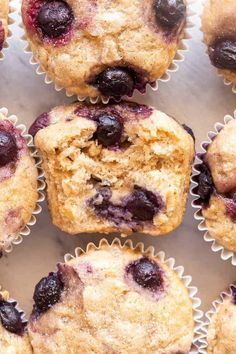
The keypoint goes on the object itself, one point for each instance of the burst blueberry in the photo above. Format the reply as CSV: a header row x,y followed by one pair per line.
x,y
8,148
55,18
169,13
146,273
10,318
48,292
115,82
205,183
223,54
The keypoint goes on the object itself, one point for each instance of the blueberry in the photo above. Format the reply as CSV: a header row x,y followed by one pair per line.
x,y
8,148
109,130
223,54
115,82
143,204
205,183
48,292
146,273
54,18
169,13
10,318
41,122
189,131
233,289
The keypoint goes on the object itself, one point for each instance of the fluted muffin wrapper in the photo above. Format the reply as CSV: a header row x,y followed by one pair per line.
x,y
196,204
173,67
7,297
226,81
208,318
170,262
17,239
11,22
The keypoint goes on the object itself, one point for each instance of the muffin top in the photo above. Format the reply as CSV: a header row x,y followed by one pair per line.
x,y
121,167
217,186
18,182
222,329
4,10
112,300
13,335
218,24
104,47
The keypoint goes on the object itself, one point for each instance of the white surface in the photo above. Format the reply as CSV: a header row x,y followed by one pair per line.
x,y
195,95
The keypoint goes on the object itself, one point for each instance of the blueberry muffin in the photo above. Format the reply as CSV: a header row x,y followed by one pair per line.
x,y
112,300
18,182
218,24
4,10
13,334
114,168
107,48
222,329
217,187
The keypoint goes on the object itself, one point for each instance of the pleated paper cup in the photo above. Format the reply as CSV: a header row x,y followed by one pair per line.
x,y
196,203
209,315
170,262
173,67
11,21
17,239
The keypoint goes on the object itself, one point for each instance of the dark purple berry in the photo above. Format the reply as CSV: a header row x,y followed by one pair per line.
x,y
233,289
109,130
10,318
48,292
205,183
143,204
223,54
54,18
8,148
169,13
189,131
146,273
115,82
41,122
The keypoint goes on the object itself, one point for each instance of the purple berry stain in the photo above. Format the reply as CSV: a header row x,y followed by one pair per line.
x,y
41,122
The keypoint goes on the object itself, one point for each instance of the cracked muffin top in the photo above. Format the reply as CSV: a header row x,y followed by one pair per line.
x,y
13,334
114,168
112,300
104,47
222,329
217,187
218,25
4,10
18,182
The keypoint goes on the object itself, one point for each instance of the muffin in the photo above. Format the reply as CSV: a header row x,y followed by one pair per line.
x,y
114,168
112,300
13,334
18,182
4,10
218,25
221,338
104,48
217,187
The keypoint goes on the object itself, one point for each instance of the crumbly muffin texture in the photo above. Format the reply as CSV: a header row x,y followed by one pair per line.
x,y
4,10
104,47
118,167
222,329
13,335
18,182
112,300
220,211
218,25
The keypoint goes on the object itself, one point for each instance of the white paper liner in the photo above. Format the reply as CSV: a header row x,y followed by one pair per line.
x,y
209,314
11,21
174,66
6,297
215,246
170,262
226,81
15,240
